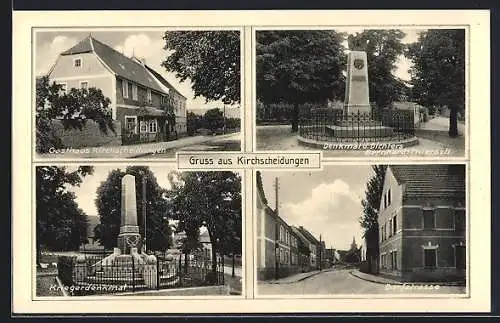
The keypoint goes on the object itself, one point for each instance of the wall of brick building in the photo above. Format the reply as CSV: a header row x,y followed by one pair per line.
x,y
412,236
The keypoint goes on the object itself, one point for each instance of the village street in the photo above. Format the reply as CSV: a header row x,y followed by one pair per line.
x,y
340,281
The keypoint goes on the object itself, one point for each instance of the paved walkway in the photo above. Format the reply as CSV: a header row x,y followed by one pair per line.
x,y
384,280
441,124
133,151
296,278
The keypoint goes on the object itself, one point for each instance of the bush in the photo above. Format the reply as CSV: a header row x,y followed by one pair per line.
x,y
65,265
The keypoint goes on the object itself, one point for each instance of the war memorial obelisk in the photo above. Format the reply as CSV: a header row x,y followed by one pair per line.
x,y
126,263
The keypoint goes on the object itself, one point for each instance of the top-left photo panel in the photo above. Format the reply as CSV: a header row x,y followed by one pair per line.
x,y
107,93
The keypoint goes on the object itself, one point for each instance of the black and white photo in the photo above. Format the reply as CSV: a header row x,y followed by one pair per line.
x,y
136,93
362,229
137,230
362,92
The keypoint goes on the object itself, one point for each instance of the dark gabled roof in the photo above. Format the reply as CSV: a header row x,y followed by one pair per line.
x,y
119,64
431,179
260,188
308,235
163,80
84,46
299,235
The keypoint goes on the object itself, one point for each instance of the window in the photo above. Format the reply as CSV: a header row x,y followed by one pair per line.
x,y
134,92
125,89
460,220
390,228
77,62
150,96
385,201
460,257
429,218
394,225
84,85
131,124
388,197
153,126
430,258
143,126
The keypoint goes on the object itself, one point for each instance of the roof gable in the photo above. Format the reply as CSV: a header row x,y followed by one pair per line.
x,y
431,179
124,66
121,65
84,46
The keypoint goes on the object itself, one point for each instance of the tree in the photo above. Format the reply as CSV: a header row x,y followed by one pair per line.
x,y
158,233
73,109
382,47
299,66
193,122
438,72
369,219
209,59
210,199
61,224
213,119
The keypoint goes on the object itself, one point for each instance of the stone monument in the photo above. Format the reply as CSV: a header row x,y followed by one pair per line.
x,y
125,263
129,236
355,123
357,98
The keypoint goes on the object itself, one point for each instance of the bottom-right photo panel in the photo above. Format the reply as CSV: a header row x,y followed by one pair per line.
x,y
362,229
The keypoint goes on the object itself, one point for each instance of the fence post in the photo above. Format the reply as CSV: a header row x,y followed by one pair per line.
x,y
158,274
133,275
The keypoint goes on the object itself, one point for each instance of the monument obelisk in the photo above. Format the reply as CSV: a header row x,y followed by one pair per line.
x,y
129,236
357,98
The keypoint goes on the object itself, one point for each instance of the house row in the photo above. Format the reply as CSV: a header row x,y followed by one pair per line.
x,y
422,223
147,106
282,249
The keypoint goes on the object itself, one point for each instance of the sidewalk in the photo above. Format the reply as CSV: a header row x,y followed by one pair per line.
x,y
384,280
132,151
296,278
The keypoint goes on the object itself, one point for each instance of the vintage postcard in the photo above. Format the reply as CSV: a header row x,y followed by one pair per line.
x,y
284,162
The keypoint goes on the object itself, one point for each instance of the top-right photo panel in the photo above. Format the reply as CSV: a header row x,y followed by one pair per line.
x,y
362,92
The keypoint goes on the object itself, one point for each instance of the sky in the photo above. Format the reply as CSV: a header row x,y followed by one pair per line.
x,y
326,202
145,44
86,192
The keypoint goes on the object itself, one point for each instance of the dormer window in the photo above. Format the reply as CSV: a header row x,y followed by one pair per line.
x,y
77,62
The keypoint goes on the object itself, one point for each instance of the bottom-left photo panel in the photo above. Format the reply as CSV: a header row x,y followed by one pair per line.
x,y
123,229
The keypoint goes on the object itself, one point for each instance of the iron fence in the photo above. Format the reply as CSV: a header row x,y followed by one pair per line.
x,y
335,125
129,138
96,274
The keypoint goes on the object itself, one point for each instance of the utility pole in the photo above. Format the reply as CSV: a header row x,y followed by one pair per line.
x,y
144,208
